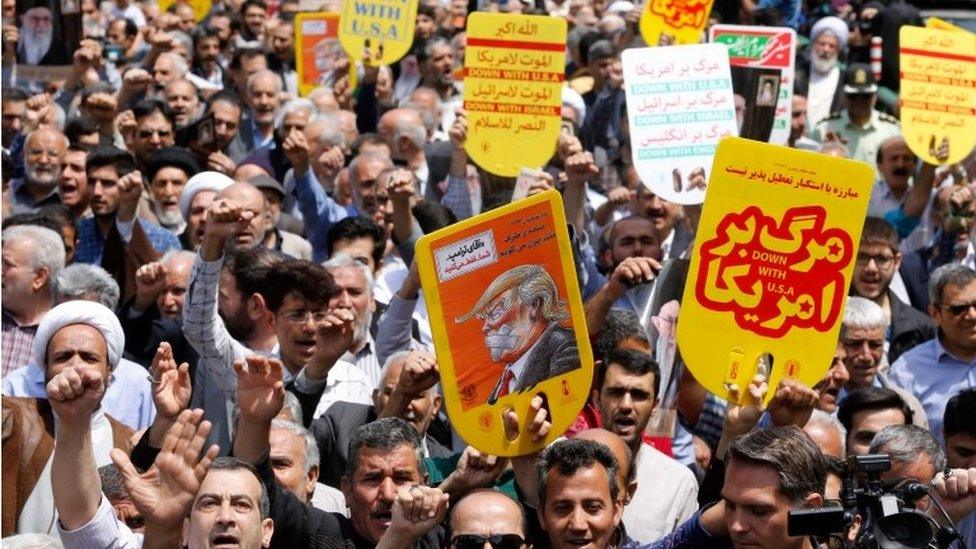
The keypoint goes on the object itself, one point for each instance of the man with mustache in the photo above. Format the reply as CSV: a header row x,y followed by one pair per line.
x,y
875,265
44,154
522,316
258,124
167,172
384,466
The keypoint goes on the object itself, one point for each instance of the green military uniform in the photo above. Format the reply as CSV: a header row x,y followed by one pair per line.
x,y
862,142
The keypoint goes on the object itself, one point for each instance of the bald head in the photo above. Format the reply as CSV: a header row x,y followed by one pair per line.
x,y
403,130
486,513
620,451
250,199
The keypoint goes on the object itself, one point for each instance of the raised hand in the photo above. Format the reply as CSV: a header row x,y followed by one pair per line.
x,y
130,190
420,373
696,180
125,124
741,417
260,389
956,491
416,510
171,388
296,149
137,80
401,188
792,403
220,162
150,283
632,271
333,337
75,393
164,493
474,470
540,184
225,220
330,162
39,113
538,427
580,168
459,129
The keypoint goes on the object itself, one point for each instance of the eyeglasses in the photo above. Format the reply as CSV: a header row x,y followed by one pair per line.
x,y
882,261
498,541
301,316
873,344
959,310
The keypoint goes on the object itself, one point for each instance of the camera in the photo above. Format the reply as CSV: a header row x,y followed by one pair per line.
x,y
887,510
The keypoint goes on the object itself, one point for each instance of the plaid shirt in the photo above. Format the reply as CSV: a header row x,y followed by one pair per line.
x,y
91,243
17,342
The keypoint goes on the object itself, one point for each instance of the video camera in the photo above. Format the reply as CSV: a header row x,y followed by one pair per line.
x,y
889,517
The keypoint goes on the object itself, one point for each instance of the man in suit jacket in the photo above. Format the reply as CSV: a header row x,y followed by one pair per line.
x,y
410,396
522,315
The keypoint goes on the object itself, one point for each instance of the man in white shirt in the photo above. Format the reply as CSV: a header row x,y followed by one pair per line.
x,y
667,493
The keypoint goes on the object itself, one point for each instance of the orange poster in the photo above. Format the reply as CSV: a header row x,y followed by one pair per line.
x,y
317,49
507,319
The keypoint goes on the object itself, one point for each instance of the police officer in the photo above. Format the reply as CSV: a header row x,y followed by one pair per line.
x,y
860,128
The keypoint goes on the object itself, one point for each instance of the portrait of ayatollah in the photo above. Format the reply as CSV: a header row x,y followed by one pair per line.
x,y
523,321
43,40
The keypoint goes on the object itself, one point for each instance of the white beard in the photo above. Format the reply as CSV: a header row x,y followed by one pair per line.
x,y
35,46
46,181
821,65
170,219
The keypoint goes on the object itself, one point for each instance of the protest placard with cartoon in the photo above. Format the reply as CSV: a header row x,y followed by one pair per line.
x,y
507,319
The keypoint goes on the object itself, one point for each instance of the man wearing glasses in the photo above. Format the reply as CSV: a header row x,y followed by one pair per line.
x,y
877,262
946,364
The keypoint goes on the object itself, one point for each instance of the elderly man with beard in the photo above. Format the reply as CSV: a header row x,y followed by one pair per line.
x,y
44,154
37,45
385,467
406,390
75,339
828,42
167,172
195,199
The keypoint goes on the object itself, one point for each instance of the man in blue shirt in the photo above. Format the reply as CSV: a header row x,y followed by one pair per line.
x,y
945,365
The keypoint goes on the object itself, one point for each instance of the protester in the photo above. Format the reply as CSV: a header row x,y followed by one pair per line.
x,y
268,247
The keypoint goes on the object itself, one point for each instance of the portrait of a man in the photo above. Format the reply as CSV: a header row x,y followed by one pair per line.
x,y
39,24
523,321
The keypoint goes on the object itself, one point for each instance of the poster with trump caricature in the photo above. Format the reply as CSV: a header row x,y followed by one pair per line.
x,y
507,318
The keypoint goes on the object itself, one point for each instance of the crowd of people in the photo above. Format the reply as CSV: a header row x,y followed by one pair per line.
x,y
215,335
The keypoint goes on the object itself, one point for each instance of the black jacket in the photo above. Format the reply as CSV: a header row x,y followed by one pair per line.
x,y
909,327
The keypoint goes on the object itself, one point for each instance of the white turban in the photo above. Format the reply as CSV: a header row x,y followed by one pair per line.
x,y
203,181
96,315
836,26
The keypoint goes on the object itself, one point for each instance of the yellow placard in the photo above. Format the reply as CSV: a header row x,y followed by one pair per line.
x,y
316,49
201,8
673,22
514,67
507,318
938,91
772,262
936,23
383,29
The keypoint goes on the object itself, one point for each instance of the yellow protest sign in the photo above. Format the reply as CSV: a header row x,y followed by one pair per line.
x,y
507,318
514,67
317,49
936,23
770,275
672,22
938,91
201,8
383,29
